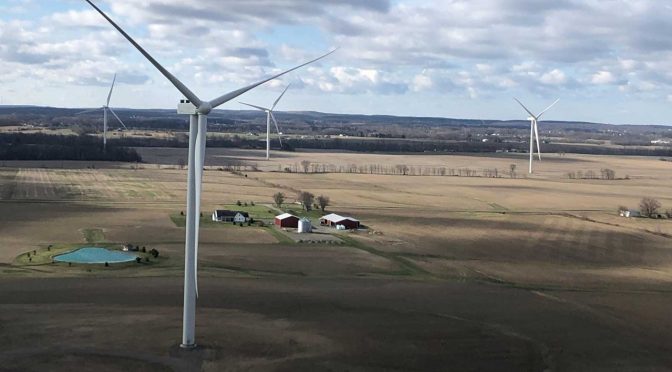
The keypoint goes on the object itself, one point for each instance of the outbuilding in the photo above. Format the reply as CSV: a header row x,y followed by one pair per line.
x,y
628,213
223,215
335,220
287,220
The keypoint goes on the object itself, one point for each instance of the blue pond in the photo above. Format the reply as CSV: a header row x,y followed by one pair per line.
x,y
91,255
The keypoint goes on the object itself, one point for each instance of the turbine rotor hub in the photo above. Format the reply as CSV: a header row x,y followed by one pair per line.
x,y
204,108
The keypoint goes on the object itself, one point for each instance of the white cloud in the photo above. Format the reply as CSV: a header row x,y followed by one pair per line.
x,y
554,77
603,77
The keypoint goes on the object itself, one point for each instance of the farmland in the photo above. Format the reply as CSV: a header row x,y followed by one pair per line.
x,y
533,271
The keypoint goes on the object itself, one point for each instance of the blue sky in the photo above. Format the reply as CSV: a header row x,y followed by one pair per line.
x,y
608,60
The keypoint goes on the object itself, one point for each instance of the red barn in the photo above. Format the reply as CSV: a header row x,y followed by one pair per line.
x,y
287,220
335,220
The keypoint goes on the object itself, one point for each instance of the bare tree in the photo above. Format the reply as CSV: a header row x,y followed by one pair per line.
x,y
512,168
649,207
305,164
279,198
323,202
608,174
306,199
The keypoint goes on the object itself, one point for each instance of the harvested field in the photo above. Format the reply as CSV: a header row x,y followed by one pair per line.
x,y
535,272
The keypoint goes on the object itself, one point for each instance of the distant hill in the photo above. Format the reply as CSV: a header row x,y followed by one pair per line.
x,y
31,113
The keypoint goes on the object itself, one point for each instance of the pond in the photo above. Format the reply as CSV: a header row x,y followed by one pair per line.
x,y
94,255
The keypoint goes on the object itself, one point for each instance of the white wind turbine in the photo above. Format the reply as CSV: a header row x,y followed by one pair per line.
x,y
269,117
198,111
106,107
534,130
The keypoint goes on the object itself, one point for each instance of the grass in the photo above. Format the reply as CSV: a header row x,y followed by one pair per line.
x,y
282,238
297,210
93,235
256,211
407,268
45,256
205,221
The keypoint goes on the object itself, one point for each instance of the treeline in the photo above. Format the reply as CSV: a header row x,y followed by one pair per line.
x,y
37,146
401,145
180,140
307,166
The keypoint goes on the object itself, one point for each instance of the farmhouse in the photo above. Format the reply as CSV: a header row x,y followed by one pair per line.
x,y
223,215
287,220
335,220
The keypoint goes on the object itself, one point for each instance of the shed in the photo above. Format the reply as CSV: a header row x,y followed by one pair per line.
x,y
334,220
287,220
629,213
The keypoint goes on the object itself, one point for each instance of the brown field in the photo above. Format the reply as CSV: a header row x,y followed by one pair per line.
x,y
455,273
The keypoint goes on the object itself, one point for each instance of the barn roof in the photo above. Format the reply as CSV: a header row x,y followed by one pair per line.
x,y
285,215
333,217
228,213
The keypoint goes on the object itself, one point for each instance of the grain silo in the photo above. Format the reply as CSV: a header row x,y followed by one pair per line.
x,y
305,226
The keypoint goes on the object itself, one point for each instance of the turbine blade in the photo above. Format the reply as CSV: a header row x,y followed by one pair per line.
x,y
231,95
525,108
178,84
277,128
279,98
109,96
115,115
548,108
256,107
536,134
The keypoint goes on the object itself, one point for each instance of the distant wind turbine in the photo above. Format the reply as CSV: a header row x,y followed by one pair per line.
x,y
106,107
534,130
198,111
269,117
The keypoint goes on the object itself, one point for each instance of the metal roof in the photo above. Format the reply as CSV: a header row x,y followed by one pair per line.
x,y
333,217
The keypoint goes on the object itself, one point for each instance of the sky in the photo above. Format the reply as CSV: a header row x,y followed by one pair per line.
x,y
608,61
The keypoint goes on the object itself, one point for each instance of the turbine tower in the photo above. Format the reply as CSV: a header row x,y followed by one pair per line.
x,y
106,107
198,111
269,117
534,130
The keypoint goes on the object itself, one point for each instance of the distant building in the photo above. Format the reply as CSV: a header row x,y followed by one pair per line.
x,y
335,220
223,215
287,220
629,213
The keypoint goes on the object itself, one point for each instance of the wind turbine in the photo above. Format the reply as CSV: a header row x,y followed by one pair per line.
x,y
269,117
198,111
106,107
534,130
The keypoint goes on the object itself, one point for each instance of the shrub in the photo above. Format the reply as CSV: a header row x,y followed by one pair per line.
x,y
649,207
